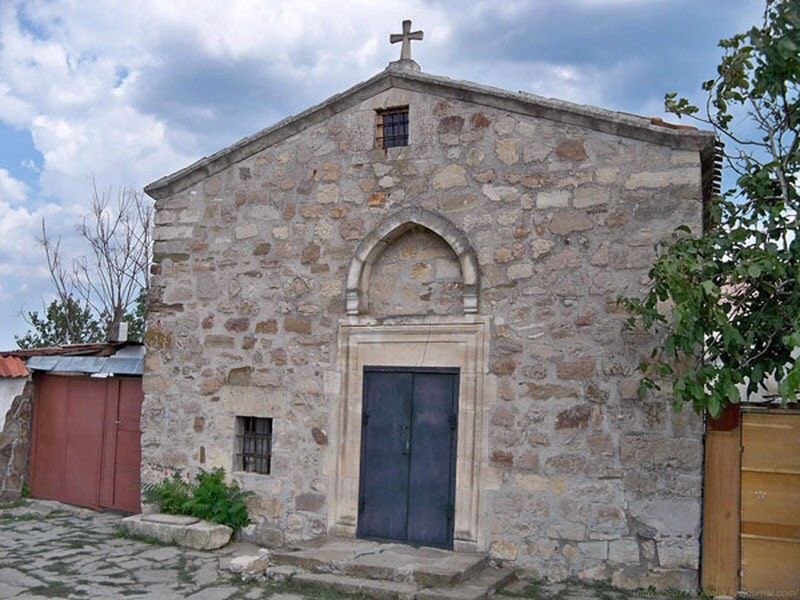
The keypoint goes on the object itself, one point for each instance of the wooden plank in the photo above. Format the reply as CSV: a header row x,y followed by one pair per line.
x,y
721,512
770,502
785,472
770,568
770,498
86,403
789,533
771,442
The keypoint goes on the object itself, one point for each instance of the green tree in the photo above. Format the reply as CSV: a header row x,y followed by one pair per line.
x,y
137,317
66,322
728,300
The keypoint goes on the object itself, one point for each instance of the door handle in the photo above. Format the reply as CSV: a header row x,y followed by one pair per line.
x,y
406,440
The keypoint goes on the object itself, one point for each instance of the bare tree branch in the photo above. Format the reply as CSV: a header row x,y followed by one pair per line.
x,y
114,273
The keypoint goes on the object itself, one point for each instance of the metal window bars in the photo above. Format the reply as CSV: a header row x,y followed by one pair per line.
x,y
254,444
392,128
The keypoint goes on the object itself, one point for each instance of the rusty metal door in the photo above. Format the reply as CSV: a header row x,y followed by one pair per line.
x,y
86,441
49,437
85,415
127,461
770,505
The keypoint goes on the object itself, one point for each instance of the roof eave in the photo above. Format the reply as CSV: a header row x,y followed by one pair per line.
x,y
178,181
561,111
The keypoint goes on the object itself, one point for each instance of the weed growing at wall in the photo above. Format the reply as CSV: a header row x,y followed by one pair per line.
x,y
209,497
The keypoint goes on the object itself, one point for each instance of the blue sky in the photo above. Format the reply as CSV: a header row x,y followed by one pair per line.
x,y
124,93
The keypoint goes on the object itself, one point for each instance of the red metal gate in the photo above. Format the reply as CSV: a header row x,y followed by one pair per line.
x,y
86,436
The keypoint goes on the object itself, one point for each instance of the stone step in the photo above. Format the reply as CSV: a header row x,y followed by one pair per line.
x,y
302,560
460,567
484,585
427,567
373,588
414,568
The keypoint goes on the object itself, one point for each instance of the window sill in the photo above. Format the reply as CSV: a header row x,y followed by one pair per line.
x,y
396,152
244,474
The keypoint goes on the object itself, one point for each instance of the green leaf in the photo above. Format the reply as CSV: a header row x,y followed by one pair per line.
x,y
209,498
709,287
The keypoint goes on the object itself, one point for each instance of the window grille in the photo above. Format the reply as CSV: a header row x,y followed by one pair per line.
x,y
392,128
253,444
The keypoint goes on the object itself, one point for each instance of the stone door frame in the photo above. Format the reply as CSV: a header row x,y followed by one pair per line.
x,y
458,341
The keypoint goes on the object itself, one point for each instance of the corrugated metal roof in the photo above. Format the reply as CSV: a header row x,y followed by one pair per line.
x,y
11,366
128,360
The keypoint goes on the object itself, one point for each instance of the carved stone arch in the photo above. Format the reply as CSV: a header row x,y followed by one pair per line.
x,y
389,230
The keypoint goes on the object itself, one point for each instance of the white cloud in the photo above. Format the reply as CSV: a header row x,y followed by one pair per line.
x,y
583,84
31,165
83,82
81,122
24,279
20,252
11,190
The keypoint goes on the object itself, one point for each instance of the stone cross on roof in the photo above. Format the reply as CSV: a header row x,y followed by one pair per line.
x,y
405,37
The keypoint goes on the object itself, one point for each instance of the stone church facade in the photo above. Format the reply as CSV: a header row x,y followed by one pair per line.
x,y
296,264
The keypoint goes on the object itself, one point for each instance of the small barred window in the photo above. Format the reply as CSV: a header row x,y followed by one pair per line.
x,y
253,444
392,128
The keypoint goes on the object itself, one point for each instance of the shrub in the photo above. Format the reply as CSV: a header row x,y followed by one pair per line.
x,y
209,498
213,500
170,495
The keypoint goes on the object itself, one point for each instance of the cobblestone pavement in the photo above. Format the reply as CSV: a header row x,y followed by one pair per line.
x,y
48,550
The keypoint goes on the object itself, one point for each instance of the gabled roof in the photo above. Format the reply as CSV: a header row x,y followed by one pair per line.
x,y
400,76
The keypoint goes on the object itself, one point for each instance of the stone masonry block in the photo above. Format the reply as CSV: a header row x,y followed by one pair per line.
x,y
182,531
624,551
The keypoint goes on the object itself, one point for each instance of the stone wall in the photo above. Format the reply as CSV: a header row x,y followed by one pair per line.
x,y
580,478
418,274
15,443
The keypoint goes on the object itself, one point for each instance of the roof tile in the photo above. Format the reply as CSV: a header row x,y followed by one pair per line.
x,y
12,366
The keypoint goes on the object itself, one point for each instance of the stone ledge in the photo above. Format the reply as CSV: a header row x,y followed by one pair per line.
x,y
181,531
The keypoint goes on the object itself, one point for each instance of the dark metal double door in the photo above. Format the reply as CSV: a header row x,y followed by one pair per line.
x,y
408,455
